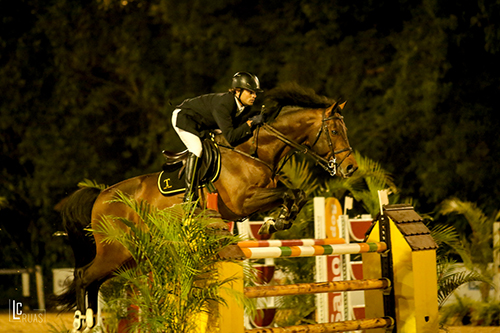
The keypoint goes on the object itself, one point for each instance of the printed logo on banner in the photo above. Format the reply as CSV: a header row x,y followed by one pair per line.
x,y
16,314
335,300
333,210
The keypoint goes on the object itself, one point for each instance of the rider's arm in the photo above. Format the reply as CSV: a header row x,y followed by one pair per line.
x,y
224,120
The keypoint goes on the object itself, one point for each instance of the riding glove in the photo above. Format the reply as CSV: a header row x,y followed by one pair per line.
x,y
257,120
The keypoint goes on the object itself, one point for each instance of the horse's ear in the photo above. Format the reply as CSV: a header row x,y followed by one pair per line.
x,y
340,106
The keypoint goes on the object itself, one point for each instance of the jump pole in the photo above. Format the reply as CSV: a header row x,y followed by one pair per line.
x,y
290,242
341,326
316,287
315,250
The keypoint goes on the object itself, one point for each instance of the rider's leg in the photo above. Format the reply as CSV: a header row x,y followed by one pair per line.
x,y
195,148
191,177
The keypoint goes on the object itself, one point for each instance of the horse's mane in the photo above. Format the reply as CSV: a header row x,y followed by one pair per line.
x,y
292,94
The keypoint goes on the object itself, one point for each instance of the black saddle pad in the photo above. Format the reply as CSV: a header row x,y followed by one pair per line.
x,y
171,181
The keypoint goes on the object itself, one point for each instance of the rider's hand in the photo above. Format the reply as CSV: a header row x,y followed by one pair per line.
x,y
257,120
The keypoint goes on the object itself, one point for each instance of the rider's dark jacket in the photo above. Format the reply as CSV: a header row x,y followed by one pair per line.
x,y
204,113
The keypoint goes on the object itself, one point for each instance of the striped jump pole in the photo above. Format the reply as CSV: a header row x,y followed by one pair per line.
x,y
341,326
316,287
291,242
311,250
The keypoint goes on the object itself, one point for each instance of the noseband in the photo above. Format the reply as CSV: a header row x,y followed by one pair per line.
x,y
329,166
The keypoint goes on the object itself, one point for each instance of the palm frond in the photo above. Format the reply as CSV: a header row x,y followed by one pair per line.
x,y
479,243
448,235
444,234
175,278
480,223
367,181
468,209
373,172
141,208
452,281
297,173
91,183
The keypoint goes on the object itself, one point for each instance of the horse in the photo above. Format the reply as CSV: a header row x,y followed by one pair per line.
x,y
297,119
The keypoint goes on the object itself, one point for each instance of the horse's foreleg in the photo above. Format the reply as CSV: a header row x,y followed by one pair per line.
x,y
283,221
265,198
300,199
294,200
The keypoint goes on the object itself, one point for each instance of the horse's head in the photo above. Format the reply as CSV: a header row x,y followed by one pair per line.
x,y
330,141
315,123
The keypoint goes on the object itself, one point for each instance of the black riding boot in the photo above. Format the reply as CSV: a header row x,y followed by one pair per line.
x,y
191,177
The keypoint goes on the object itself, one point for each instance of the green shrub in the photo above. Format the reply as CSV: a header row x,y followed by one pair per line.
x,y
175,279
465,311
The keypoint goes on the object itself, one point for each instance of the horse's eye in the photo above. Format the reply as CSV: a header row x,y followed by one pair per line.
x,y
334,132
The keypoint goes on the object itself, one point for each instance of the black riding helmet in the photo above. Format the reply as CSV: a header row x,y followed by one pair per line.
x,y
246,80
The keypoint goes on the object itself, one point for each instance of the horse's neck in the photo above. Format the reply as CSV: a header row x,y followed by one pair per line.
x,y
295,126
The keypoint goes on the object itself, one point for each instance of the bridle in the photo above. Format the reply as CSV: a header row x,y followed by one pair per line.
x,y
329,166
332,163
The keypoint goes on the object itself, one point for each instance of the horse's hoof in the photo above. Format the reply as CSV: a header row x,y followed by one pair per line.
x,y
89,318
268,227
78,320
219,225
280,224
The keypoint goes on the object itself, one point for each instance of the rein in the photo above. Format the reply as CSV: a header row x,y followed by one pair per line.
x,y
247,155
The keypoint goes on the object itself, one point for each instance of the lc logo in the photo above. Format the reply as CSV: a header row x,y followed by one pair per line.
x,y
16,314
15,310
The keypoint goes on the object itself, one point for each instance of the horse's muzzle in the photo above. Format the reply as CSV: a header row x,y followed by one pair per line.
x,y
348,171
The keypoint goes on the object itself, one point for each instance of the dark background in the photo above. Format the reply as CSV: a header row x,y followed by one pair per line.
x,y
88,87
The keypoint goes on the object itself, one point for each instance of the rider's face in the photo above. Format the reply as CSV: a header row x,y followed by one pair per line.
x,y
247,97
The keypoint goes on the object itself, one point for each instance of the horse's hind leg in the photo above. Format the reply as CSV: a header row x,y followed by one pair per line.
x,y
93,303
79,319
85,316
89,279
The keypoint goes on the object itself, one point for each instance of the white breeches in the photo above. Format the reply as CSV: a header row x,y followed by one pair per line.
x,y
191,141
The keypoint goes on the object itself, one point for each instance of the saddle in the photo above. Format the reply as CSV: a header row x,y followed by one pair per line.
x,y
171,179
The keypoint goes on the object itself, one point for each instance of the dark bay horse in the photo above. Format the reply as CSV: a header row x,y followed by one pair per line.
x,y
247,184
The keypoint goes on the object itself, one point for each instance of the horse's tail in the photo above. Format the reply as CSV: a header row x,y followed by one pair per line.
x,y
76,216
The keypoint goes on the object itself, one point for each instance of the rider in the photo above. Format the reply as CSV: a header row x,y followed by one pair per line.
x,y
229,112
